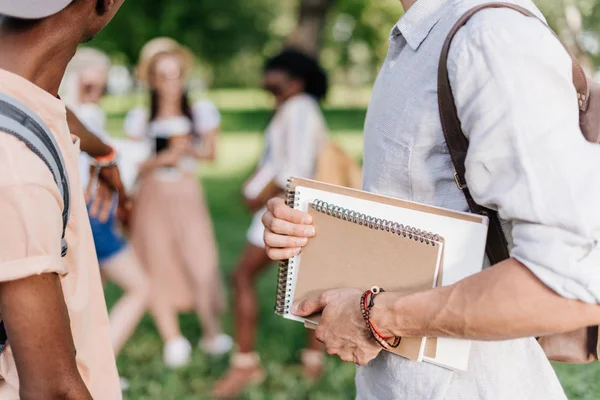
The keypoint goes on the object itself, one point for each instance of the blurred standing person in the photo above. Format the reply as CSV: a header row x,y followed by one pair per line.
x,y
294,137
171,226
83,87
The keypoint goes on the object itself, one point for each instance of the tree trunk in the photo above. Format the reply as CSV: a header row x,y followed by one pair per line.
x,y
308,35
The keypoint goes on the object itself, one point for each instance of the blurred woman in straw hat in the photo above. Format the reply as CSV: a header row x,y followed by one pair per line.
x,y
82,88
171,226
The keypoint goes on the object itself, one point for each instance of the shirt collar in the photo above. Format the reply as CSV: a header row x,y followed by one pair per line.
x,y
418,21
48,107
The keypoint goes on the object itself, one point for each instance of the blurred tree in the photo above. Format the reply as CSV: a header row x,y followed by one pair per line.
x,y
312,17
216,31
357,38
232,38
576,23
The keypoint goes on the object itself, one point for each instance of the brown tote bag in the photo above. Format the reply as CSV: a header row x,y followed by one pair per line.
x,y
576,347
337,167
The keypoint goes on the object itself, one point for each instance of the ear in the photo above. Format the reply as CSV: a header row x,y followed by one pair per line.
x,y
104,6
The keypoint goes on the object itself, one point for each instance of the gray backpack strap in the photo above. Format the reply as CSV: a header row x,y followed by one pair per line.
x,y
20,121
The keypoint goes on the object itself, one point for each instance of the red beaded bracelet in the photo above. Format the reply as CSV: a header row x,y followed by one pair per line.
x,y
108,160
366,304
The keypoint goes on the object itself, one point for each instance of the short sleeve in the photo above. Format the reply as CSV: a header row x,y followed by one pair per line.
x,y
206,116
30,211
136,123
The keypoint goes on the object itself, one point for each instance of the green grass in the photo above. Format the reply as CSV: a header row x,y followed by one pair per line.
x,y
278,341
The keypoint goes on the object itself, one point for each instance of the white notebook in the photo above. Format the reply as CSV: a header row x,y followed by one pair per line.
x,y
464,236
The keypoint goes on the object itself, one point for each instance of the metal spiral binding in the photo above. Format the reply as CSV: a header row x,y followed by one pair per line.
x,y
286,267
375,223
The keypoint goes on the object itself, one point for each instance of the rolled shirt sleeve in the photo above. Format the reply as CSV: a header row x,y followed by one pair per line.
x,y
527,158
31,215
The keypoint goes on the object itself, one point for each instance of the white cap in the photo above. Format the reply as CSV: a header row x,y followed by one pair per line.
x,y
32,9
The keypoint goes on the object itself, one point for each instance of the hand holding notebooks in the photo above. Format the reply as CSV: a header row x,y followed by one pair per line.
x,y
353,248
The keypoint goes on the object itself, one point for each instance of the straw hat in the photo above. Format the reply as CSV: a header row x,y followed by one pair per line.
x,y
159,46
85,58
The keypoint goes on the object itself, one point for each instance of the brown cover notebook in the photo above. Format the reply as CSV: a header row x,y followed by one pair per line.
x,y
370,250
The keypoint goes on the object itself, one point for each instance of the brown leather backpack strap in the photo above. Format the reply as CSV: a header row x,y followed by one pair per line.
x,y
457,142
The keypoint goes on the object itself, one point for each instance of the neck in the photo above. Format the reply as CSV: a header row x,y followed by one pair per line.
x,y
406,4
38,52
169,107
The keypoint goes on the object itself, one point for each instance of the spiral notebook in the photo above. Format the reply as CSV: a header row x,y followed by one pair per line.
x,y
365,239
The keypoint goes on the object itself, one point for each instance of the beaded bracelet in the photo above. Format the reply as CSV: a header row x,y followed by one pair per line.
x,y
107,161
366,304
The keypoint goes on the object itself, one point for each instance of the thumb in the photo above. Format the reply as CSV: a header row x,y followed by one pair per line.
x,y
310,306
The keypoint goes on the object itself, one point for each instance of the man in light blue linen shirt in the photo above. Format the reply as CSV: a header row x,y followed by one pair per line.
x,y
512,83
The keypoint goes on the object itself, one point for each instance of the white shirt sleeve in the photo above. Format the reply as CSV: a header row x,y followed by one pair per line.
x,y
527,158
206,116
136,123
296,140
94,118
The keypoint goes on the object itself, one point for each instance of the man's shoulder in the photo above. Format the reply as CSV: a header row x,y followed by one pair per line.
x,y
504,26
20,166
498,18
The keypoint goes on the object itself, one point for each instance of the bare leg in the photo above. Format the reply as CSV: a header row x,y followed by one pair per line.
x,y
245,368
199,252
125,271
165,319
197,249
254,260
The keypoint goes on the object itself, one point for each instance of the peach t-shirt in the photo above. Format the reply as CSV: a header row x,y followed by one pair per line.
x,y
30,232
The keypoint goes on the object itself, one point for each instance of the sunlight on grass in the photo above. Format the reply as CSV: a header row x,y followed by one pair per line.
x,y
244,99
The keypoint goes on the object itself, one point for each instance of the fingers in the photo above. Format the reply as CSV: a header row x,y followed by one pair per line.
x,y
101,203
105,209
276,254
280,210
353,355
87,195
320,336
310,306
366,354
124,212
285,227
283,241
286,230
96,205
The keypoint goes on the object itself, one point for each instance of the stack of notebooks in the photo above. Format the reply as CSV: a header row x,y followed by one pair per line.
x,y
365,239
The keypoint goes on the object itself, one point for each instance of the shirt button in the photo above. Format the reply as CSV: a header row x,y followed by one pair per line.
x,y
392,63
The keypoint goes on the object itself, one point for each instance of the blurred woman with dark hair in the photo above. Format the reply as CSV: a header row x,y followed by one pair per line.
x,y
171,227
294,137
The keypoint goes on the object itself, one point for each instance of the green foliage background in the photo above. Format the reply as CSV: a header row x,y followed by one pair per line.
x,y
231,38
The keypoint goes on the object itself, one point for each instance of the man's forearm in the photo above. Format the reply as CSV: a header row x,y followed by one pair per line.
x,y
503,302
89,142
